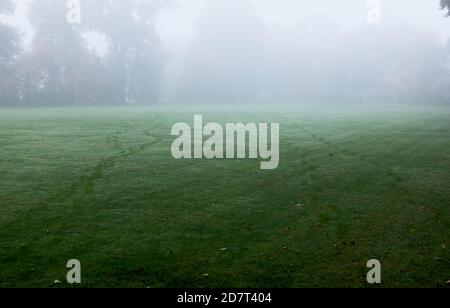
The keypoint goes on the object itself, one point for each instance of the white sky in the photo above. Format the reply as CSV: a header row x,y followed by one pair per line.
x,y
176,24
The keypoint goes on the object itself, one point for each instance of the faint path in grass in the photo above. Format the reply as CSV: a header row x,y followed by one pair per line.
x,y
86,183
114,141
388,171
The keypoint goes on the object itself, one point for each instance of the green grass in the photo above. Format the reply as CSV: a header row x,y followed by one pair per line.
x,y
100,186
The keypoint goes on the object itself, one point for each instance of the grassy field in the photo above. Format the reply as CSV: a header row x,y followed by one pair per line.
x,y
101,186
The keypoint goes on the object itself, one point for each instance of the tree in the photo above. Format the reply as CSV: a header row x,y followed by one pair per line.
x,y
135,57
445,4
59,64
9,49
227,59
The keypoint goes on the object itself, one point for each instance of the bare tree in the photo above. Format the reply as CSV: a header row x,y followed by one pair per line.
x,y
445,5
9,49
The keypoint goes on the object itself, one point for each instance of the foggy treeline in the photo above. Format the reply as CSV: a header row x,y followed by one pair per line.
x,y
233,57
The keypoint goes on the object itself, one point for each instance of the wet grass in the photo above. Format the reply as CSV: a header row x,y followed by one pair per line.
x,y
100,186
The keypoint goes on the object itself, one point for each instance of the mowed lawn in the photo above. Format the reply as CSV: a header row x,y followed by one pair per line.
x,y
100,185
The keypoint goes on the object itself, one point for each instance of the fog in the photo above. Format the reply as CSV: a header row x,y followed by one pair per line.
x,y
224,52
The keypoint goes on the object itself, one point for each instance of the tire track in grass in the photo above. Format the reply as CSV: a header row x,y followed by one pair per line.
x,y
87,182
343,232
391,173
33,216
388,171
113,140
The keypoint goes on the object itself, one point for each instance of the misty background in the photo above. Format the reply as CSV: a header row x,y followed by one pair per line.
x,y
151,52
